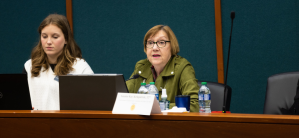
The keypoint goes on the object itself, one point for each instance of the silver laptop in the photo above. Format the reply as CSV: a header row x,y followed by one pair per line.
x,y
90,92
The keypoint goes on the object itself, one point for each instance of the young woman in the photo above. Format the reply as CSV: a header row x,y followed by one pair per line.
x,y
55,54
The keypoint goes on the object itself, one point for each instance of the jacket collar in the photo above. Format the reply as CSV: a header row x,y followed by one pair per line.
x,y
145,70
169,68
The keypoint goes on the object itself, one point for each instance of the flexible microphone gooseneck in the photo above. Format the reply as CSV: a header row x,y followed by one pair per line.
x,y
134,77
232,16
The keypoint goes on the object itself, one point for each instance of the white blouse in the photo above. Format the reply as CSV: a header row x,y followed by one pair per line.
x,y
44,89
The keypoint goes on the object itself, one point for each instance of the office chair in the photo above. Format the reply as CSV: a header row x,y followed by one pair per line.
x,y
217,95
281,90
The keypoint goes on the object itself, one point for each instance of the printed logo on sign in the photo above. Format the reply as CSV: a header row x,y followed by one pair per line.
x,y
1,95
132,107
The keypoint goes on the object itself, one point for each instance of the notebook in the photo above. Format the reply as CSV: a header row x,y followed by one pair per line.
x,y
90,92
14,92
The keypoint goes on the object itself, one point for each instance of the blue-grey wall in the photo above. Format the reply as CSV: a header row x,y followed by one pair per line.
x,y
19,21
265,42
110,34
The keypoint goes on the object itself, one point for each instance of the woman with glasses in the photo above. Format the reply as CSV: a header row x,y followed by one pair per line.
x,y
55,54
164,67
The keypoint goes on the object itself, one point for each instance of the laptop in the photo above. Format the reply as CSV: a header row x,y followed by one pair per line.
x,y
14,92
90,92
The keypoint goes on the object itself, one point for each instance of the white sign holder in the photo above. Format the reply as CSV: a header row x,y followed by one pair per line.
x,y
141,104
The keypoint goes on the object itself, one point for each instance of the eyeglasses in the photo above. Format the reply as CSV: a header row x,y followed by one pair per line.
x,y
160,44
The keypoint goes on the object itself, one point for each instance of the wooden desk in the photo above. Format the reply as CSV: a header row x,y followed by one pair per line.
x,y
105,124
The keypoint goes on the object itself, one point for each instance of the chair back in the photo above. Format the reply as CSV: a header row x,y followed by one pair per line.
x,y
217,95
281,90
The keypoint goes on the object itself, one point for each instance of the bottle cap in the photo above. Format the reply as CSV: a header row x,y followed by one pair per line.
x,y
203,83
163,93
152,83
143,83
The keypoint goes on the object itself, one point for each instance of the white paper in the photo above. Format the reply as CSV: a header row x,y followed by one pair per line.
x,y
175,109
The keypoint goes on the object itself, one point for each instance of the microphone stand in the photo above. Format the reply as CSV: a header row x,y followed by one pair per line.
x,y
232,16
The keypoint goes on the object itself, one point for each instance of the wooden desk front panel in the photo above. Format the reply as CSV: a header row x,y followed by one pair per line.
x,y
25,127
65,127
173,129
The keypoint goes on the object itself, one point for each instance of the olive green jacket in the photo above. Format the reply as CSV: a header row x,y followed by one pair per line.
x,y
178,77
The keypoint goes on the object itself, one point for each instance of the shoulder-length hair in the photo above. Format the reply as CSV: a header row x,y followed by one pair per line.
x,y
173,41
70,51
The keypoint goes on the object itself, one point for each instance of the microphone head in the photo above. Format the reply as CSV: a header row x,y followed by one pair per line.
x,y
135,76
232,15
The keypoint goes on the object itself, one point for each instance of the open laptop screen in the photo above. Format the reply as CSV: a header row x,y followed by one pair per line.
x,y
90,92
14,92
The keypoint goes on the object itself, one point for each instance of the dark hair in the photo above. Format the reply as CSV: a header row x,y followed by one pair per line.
x,y
70,52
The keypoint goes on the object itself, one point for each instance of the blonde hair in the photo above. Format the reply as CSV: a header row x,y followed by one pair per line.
x,y
70,52
173,41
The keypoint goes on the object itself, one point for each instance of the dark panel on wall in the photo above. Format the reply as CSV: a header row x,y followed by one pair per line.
x,y
264,42
110,33
19,23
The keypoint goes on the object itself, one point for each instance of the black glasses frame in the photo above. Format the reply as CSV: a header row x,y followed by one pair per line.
x,y
157,44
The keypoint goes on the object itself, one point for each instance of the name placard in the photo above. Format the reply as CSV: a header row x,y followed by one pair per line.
x,y
141,104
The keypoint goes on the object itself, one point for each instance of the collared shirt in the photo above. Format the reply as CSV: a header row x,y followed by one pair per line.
x,y
154,73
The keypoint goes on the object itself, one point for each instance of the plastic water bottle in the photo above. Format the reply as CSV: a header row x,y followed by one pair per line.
x,y
142,89
204,98
152,89
164,103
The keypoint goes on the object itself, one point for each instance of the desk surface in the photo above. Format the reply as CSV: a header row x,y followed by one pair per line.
x,y
70,123
218,117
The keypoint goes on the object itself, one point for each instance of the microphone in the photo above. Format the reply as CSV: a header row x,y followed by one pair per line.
x,y
232,16
134,77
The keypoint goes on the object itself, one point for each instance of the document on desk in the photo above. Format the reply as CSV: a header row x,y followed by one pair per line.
x,y
141,104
